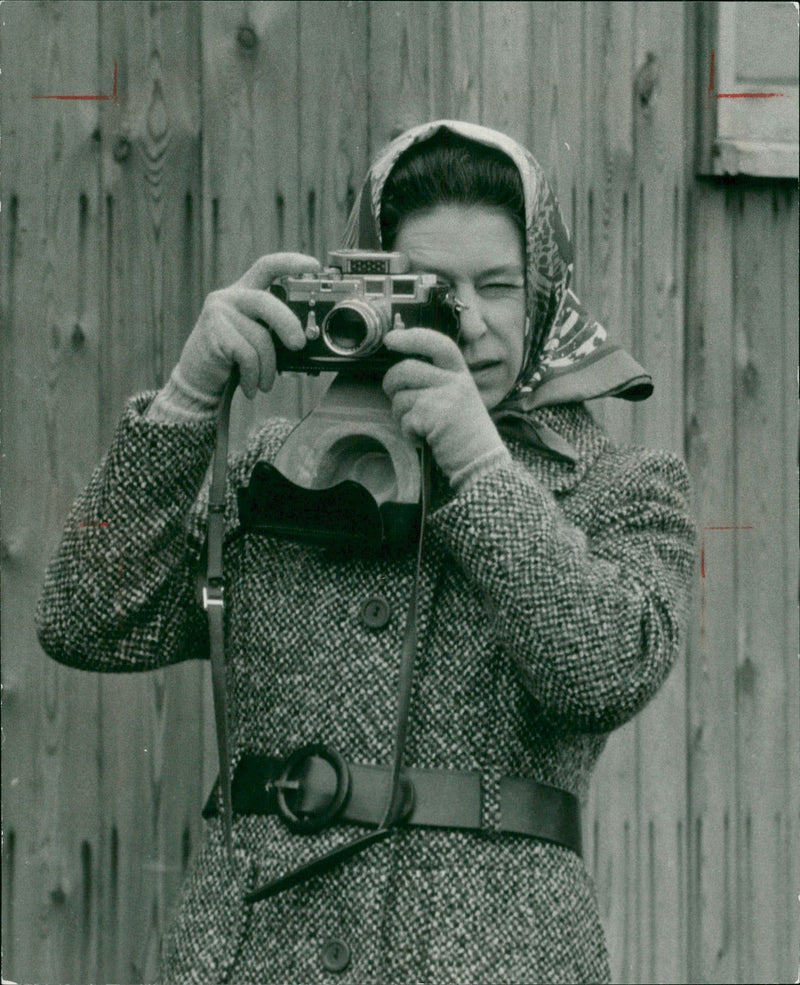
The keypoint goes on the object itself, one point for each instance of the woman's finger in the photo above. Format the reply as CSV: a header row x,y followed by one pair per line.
x,y
231,346
261,341
403,402
267,268
439,348
265,307
412,374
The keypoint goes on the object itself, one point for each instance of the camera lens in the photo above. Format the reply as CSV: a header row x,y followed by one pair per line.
x,y
345,331
355,327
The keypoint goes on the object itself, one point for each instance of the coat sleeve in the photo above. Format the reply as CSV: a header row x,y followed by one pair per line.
x,y
592,608
119,593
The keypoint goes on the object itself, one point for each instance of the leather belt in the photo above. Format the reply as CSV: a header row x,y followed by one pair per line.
x,y
314,788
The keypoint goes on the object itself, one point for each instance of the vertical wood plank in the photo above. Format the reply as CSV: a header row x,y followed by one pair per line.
x,y
571,141
461,94
611,39
50,338
543,89
764,674
659,164
505,68
601,174
610,827
789,857
711,718
556,113
152,202
251,75
657,211
333,133
404,67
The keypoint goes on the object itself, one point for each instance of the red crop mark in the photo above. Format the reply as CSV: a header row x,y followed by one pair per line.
x,y
96,98
703,577
737,95
99,523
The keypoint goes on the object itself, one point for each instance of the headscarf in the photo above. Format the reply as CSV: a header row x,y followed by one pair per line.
x,y
567,356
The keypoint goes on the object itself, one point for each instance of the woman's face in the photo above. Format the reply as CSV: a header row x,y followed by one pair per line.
x,y
478,250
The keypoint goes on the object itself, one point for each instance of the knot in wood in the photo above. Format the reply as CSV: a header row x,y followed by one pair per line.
x,y
246,37
646,81
122,149
58,896
78,336
750,379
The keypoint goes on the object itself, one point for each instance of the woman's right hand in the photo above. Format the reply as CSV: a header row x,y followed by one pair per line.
x,y
235,326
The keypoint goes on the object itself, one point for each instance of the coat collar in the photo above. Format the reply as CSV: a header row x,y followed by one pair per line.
x,y
571,424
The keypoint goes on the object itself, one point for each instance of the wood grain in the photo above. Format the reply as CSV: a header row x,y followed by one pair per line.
x,y
659,169
334,132
404,61
763,671
604,264
152,195
505,68
50,335
710,681
462,32
251,79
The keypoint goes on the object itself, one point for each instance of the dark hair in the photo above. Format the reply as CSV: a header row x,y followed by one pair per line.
x,y
449,168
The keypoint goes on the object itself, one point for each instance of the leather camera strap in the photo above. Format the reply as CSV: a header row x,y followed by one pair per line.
x,y
213,602
408,659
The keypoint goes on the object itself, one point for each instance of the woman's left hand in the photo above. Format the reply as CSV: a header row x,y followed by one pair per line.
x,y
439,402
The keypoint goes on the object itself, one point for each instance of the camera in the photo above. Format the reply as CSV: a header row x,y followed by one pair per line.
x,y
347,308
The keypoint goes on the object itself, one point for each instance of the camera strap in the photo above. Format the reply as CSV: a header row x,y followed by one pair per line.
x,y
211,591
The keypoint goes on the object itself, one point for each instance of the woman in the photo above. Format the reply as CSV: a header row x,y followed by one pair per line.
x,y
550,607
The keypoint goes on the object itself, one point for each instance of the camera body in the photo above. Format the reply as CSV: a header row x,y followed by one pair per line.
x,y
347,308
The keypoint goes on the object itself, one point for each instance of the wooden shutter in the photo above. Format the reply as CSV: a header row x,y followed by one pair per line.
x,y
752,90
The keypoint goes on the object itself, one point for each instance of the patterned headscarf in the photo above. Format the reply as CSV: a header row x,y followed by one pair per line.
x,y
567,356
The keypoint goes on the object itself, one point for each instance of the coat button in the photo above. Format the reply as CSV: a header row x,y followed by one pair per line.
x,y
375,612
335,955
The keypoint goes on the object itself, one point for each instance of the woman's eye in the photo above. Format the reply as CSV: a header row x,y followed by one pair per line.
x,y
498,288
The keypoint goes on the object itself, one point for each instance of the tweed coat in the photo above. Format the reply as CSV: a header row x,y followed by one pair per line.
x,y
553,599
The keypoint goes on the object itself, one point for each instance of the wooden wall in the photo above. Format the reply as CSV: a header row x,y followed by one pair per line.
x,y
243,128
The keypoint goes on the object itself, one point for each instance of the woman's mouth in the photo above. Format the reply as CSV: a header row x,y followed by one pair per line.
x,y
483,365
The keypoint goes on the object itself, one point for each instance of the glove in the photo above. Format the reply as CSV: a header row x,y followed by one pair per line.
x,y
234,330
439,402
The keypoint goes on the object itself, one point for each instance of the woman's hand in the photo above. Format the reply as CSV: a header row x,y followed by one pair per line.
x,y
438,401
234,329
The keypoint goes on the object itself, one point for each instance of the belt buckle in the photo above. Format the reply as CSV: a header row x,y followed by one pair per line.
x,y
310,823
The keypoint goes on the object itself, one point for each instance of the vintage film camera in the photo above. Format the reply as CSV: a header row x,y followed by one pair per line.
x,y
348,307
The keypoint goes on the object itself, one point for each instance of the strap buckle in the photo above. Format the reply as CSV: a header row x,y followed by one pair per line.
x,y
212,595
308,822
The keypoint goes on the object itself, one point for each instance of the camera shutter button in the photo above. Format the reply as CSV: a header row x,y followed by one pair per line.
x,y
375,612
